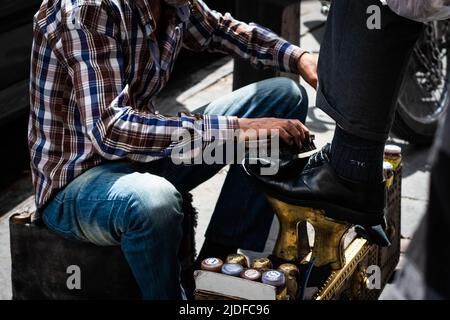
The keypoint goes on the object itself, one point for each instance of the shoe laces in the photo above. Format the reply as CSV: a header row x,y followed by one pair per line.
x,y
319,158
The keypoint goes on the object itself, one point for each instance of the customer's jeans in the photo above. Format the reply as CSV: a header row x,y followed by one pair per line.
x,y
360,70
138,206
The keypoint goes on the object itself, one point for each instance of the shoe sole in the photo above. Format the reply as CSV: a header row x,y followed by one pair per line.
x,y
334,211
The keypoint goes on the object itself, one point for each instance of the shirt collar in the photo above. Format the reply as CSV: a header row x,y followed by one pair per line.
x,y
182,7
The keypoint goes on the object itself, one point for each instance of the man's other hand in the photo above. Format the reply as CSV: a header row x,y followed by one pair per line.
x,y
307,66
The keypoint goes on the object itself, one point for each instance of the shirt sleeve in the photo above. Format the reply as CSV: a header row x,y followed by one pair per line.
x,y
90,49
213,31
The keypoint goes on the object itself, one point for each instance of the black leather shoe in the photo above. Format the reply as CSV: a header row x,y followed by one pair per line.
x,y
375,234
313,183
321,188
297,182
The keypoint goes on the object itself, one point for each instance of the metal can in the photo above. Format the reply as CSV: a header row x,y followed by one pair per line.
x,y
388,170
393,155
212,264
251,274
262,264
291,273
232,269
237,258
278,280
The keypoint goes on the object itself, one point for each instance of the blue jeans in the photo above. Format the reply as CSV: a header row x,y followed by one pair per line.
x,y
138,206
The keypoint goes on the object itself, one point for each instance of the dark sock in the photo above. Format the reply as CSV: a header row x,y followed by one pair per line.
x,y
213,250
356,158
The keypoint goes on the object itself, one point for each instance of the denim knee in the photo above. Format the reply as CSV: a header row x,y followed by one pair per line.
x,y
154,204
292,97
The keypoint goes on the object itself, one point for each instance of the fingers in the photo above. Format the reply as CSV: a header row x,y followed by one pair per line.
x,y
313,81
303,129
286,136
293,129
280,132
298,131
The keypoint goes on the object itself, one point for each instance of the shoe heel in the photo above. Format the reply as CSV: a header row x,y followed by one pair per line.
x,y
329,235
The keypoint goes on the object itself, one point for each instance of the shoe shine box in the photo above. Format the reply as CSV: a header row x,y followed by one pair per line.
x,y
217,286
366,271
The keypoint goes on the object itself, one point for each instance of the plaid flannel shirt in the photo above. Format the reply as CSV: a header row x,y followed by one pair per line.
x,y
96,67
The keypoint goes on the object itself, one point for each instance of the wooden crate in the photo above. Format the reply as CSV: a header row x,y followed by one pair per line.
x,y
40,259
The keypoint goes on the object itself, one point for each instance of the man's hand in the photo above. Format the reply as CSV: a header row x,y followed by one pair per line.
x,y
307,66
292,131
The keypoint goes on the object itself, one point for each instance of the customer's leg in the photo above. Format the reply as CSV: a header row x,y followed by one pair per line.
x,y
360,69
360,72
111,205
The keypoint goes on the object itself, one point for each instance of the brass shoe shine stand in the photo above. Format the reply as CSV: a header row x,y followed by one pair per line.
x,y
329,250
329,235
336,245
345,266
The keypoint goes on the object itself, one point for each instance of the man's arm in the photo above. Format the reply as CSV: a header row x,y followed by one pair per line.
x,y
210,30
91,52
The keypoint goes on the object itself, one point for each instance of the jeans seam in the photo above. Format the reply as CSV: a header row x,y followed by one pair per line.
x,y
64,233
70,233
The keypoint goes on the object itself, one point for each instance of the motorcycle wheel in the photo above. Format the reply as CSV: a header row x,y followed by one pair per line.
x,y
425,92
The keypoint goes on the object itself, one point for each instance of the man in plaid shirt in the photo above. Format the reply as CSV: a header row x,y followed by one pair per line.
x,y
99,150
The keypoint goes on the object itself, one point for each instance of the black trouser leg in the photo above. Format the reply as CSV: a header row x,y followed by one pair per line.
x,y
360,70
